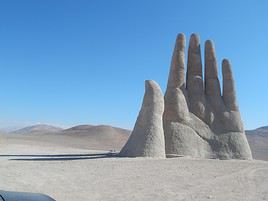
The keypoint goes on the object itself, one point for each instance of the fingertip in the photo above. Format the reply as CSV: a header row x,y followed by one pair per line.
x,y
209,45
181,36
180,41
195,35
226,62
176,73
150,83
226,69
194,40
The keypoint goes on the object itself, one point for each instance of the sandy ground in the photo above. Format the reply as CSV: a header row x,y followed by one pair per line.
x,y
68,173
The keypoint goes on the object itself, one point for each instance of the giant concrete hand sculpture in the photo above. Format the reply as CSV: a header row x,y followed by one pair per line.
x,y
147,139
199,120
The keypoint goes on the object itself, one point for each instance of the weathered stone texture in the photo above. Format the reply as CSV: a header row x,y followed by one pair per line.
x,y
199,121
147,138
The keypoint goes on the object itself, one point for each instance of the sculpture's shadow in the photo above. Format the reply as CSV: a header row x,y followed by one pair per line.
x,y
59,157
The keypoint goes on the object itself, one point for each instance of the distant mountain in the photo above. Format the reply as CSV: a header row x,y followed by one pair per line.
x,y
10,129
258,141
79,128
98,137
100,130
101,137
107,137
261,131
38,129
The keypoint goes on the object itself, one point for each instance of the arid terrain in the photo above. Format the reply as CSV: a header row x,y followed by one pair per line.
x,y
103,137
77,164
258,141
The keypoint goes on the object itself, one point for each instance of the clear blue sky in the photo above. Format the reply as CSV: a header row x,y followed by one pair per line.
x,y
68,62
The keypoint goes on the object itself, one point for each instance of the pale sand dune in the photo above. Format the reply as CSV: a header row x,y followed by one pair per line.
x,y
116,179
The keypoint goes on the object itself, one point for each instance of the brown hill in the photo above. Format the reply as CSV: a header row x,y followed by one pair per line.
x,y
101,137
98,137
258,141
38,129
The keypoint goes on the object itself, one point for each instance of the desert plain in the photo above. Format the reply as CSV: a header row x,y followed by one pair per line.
x,y
69,166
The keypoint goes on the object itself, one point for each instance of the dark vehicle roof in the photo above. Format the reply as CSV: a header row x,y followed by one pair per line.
x,y
21,196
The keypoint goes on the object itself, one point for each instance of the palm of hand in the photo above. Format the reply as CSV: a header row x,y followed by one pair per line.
x,y
198,120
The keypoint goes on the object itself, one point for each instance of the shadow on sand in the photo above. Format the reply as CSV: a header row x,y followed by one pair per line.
x,y
60,157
